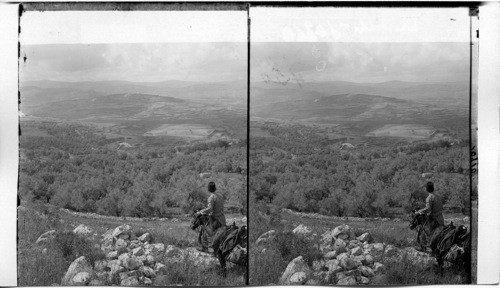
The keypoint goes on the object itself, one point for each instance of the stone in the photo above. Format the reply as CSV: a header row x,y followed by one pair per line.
x,y
318,265
356,251
327,237
46,237
123,275
330,255
81,279
122,229
147,281
100,265
135,273
296,265
146,237
366,271
123,258
131,281
44,251
342,256
341,231
339,246
347,263
390,251
368,260
115,268
82,230
358,260
298,278
79,265
120,244
134,244
364,280
349,280
173,251
302,230
333,267
150,260
138,251
160,268
124,236
365,237
378,267
112,255
266,237
148,271
132,264
378,247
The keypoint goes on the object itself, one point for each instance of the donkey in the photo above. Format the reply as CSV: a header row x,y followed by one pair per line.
x,y
230,245
440,239
208,227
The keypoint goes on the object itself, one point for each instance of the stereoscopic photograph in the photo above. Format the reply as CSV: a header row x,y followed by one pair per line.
x,y
359,146
132,148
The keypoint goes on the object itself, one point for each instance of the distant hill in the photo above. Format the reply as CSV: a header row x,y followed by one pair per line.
x,y
446,93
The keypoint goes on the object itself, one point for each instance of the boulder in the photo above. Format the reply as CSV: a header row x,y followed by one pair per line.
x,y
112,255
130,281
147,271
368,260
100,265
138,251
120,245
296,265
302,230
365,237
339,246
147,281
318,265
115,267
46,237
173,251
333,266
81,279
298,278
349,280
366,271
358,260
134,244
160,268
342,256
121,230
330,255
79,265
364,280
379,247
146,237
342,232
150,260
390,251
82,230
266,237
347,263
356,251
378,267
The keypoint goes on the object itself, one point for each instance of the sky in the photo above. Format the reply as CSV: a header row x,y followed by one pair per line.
x,y
148,46
136,62
371,62
360,44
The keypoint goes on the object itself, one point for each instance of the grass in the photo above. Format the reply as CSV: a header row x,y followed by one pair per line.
x,y
37,268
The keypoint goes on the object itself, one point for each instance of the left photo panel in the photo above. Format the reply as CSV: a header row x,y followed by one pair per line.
x,y
132,146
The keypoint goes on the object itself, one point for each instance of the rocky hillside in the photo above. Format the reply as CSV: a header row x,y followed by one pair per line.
x,y
129,259
345,259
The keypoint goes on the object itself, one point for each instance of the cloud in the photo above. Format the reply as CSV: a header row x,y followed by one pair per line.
x,y
135,62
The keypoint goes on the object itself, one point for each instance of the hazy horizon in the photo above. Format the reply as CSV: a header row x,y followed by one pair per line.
x,y
143,62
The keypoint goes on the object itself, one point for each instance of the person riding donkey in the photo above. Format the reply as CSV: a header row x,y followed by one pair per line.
x,y
434,209
215,209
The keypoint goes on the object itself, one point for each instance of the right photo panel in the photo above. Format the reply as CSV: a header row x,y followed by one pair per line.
x,y
359,168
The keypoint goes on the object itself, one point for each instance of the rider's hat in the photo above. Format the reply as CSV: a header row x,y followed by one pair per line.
x,y
211,187
430,187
